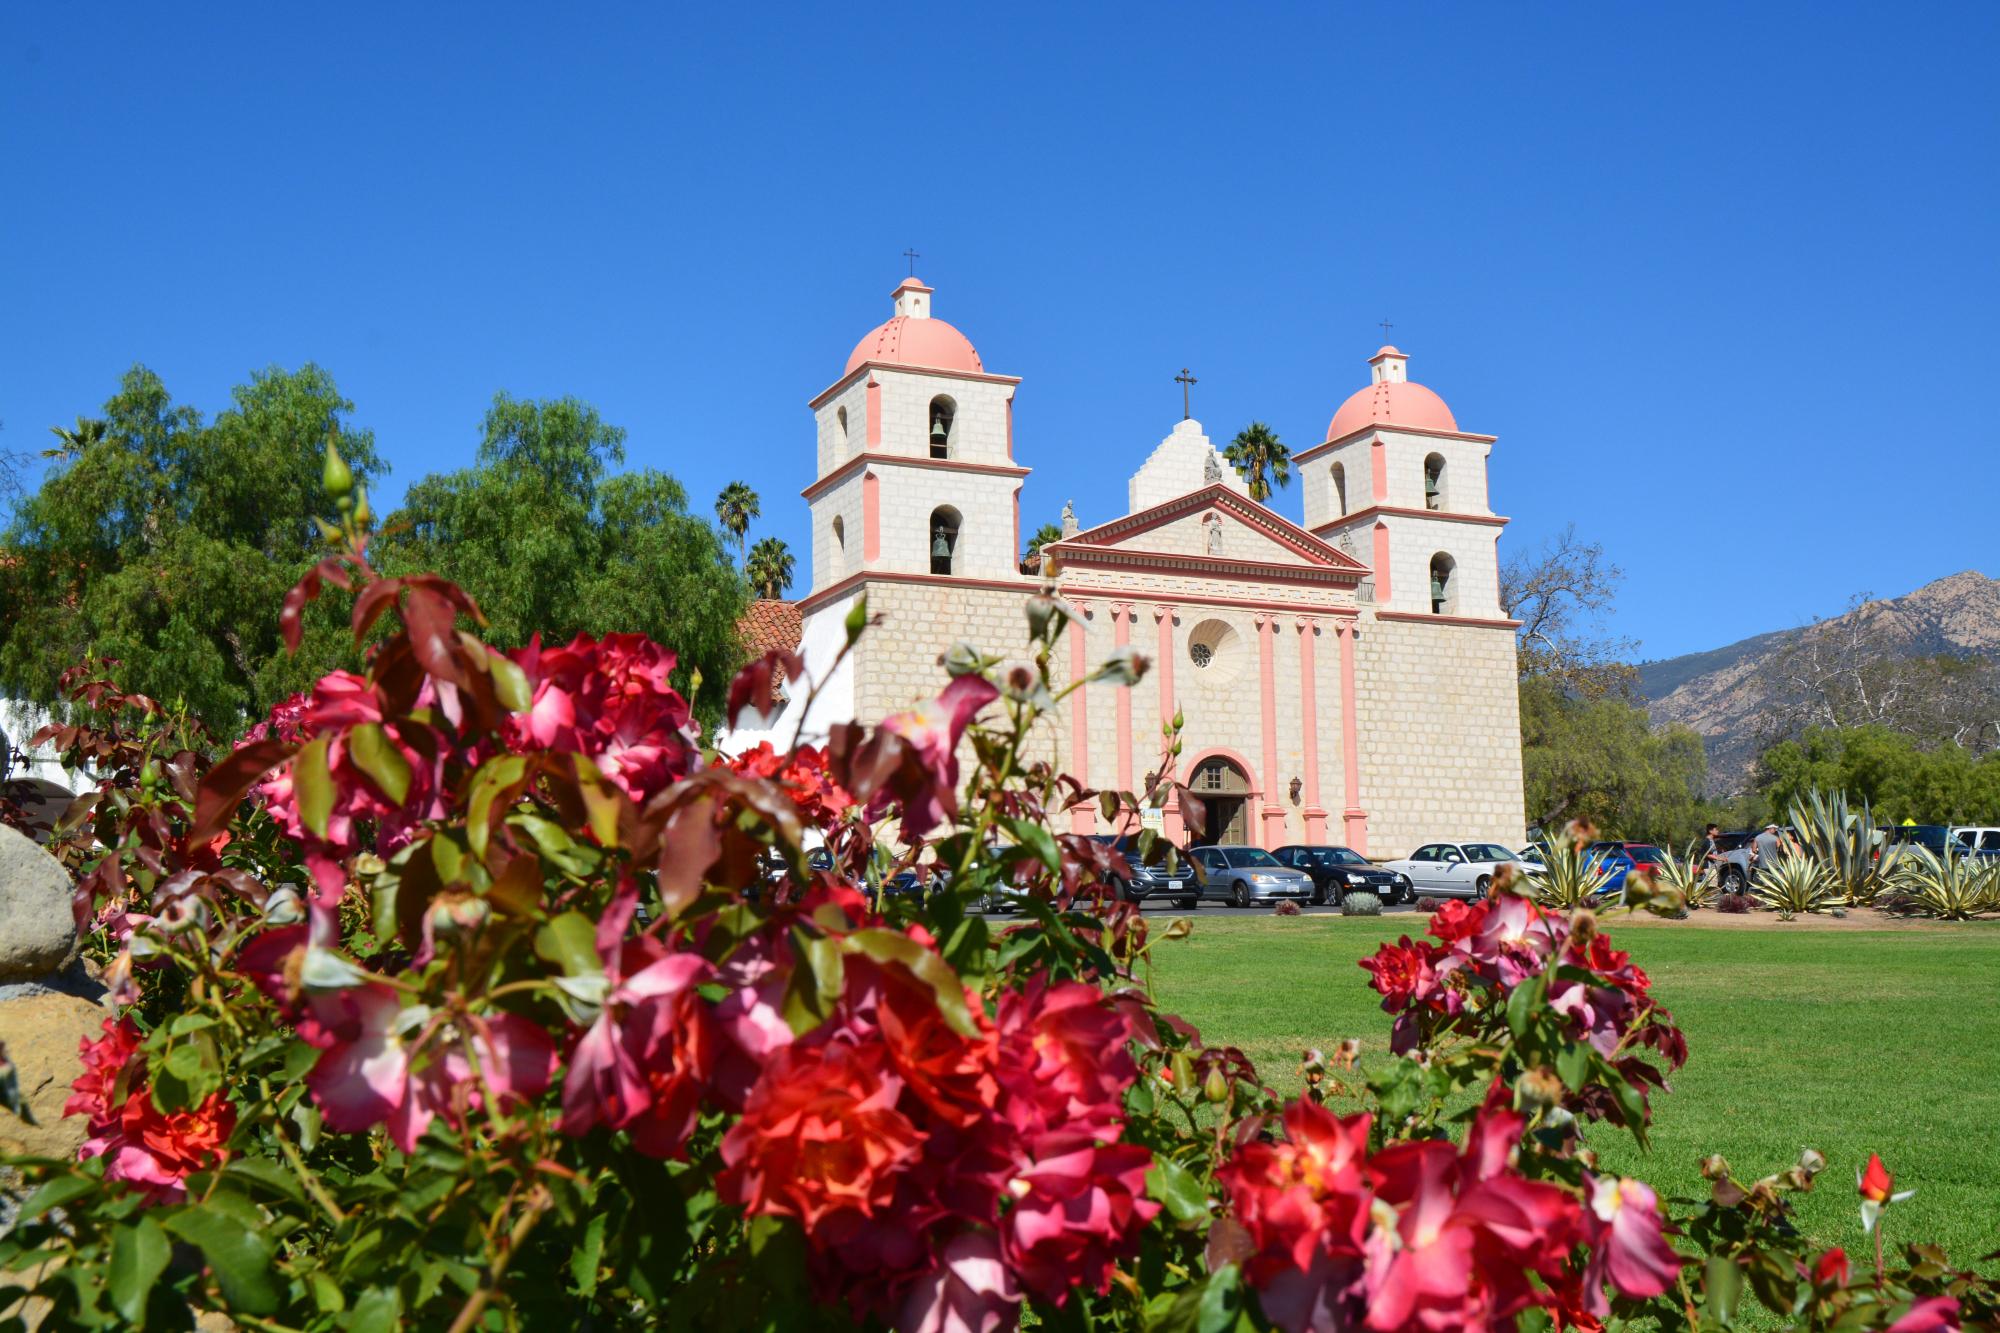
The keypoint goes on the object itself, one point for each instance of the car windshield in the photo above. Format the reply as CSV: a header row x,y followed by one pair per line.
x,y
1487,851
1250,856
1337,856
1640,851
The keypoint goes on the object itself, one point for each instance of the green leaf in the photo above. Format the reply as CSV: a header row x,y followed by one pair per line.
x,y
857,619
240,1256
1221,1301
57,1192
815,985
584,1261
1037,839
496,778
378,756
266,1173
326,1292
1573,1064
139,1254
379,1310
570,942
1176,1189
313,785
1521,1006
510,685
1723,1282
888,946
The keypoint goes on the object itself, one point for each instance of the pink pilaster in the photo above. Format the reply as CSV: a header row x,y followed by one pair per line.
x,y
1378,469
1382,564
871,516
1017,524
874,413
1084,818
1273,813
1309,709
1121,631
1352,816
1170,816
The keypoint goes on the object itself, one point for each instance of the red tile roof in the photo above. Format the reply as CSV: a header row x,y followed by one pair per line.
x,y
769,624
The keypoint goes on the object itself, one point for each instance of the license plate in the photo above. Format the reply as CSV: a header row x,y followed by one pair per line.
x,y
1175,883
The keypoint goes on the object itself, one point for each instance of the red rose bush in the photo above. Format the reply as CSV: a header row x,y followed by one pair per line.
x,y
476,990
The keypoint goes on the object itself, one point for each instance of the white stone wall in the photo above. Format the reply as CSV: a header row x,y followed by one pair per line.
x,y
821,637
1412,543
834,560
1189,536
910,494
1440,734
836,445
979,425
1315,481
1177,466
1463,489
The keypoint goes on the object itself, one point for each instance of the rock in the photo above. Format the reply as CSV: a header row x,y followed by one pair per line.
x,y
42,1033
37,930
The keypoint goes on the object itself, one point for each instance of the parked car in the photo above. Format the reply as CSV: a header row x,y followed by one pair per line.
x,y
1976,841
1164,872
1246,875
1639,855
1336,870
1455,869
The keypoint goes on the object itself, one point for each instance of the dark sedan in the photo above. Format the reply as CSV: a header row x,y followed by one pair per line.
x,y
1337,871
1164,872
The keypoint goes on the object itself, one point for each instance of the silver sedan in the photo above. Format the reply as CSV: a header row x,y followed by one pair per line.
x,y
1245,875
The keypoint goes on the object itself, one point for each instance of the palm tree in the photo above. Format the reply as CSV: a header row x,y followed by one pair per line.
x,y
735,507
1256,449
1045,534
769,568
74,442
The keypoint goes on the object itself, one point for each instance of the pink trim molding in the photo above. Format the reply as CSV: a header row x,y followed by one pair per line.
x,y
1121,635
1083,819
1378,470
1399,511
1273,814
874,412
841,473
1424,618
1309,709
1353,818
903,368
1381,565
836,591
871,516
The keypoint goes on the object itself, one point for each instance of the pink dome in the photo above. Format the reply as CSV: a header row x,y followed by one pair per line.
x,y
906,341
1391,403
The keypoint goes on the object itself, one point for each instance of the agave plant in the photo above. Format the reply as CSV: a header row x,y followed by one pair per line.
x,y
1688,875
1950,888
1795,882
1843,842
1570,874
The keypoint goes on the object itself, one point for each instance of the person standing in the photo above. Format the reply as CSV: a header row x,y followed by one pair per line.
x,y
1769,846
1711,852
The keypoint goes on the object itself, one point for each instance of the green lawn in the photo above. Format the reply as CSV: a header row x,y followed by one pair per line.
x,y
1848,1041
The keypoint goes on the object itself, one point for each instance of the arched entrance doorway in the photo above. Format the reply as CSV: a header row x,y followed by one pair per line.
x,y
1224,788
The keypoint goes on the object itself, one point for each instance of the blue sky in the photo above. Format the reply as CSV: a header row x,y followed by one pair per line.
x,y
1721,278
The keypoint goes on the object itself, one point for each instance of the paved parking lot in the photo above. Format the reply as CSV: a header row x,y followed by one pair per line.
x,y
1164,907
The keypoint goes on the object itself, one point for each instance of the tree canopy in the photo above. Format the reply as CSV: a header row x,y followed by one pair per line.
x,y
1891,770
1599,759
548,540
168,543
1255,451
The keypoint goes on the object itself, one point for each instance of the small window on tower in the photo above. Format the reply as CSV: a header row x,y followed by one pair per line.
x,y
840,429
1339,491
839,536
944,414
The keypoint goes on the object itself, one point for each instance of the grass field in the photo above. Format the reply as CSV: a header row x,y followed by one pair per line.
x,y
1848,1041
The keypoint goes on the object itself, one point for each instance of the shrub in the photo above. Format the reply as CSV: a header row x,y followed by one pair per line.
x,y
1431,902
1843,842
1360,903
1686,878
1796,882
1286,908
1736,904
1570,875
469,993
1950,888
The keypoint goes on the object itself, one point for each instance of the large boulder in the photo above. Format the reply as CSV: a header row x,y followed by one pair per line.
x,y
43,1032
37,930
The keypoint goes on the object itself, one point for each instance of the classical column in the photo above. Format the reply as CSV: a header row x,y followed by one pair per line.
x,y
1170,814
1353,816
1084,818
1273,814
1121,630
1309,709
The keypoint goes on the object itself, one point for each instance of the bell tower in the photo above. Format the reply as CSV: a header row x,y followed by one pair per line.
x,y
916,474
1401,487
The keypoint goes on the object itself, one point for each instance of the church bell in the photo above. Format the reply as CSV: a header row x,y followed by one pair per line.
x,y
940,432
940,545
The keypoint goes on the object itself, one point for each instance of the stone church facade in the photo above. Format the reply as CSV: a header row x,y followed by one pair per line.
x,y
1347,679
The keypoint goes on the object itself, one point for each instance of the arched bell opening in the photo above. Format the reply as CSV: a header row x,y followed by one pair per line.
x,y
1434,482
1444,584
945,523
943,426
1338,474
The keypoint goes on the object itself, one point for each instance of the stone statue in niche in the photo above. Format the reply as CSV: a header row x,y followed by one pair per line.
x,y
1214,535
1211,469
1069,527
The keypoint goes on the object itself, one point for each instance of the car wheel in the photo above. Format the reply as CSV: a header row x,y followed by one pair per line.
x,y
1242,894
1484,887
1318,898
1732,880
1188,904
1121,891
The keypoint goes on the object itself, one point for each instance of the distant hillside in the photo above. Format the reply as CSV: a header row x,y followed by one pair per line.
x,y
1726,696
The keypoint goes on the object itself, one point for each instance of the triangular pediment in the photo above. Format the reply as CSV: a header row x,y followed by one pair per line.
x,y
1214,524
